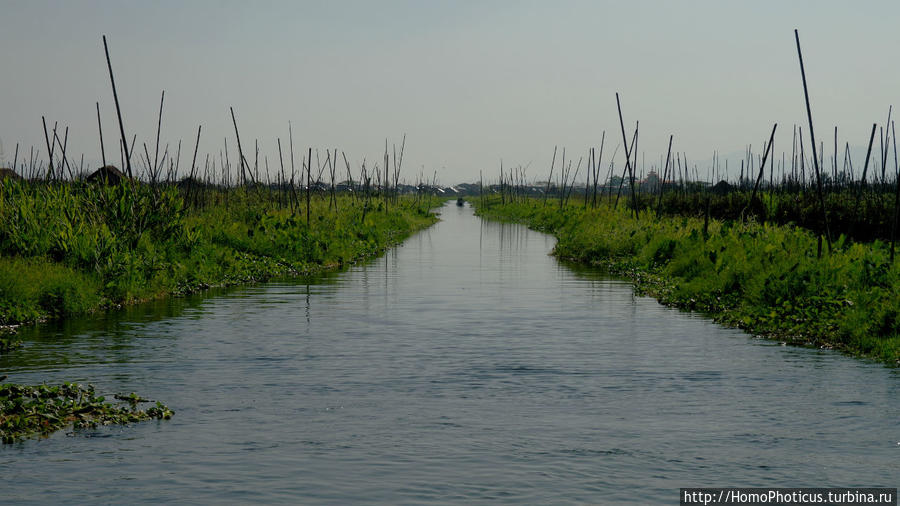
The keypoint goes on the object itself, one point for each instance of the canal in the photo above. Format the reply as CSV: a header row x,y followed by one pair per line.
x,y
466,365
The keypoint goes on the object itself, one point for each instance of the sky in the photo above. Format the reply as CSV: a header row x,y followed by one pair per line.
x,y
471,83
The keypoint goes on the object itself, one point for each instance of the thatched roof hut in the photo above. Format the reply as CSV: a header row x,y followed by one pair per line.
x,y
192,182
108,174
722,188
8,174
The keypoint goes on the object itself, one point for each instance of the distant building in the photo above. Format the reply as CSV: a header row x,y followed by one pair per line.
x,y
722,188
108,174
9,174
651,182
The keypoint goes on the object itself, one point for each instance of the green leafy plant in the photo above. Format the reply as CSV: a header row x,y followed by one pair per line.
x,y
27,410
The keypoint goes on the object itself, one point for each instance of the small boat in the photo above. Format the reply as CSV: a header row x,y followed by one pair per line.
x,y
460,201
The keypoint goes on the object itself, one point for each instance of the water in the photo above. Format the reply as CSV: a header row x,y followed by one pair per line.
x,y
465,366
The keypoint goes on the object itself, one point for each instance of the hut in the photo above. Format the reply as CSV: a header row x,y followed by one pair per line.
x,y
108,174
9,174
722,188
189,182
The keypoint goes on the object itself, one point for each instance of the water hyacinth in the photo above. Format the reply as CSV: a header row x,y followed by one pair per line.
x,y
27,411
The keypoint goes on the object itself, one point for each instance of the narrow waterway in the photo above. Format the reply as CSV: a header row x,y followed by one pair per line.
x,y
465,365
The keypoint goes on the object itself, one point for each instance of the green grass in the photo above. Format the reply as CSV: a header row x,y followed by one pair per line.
x,y
73,248
36,287
767,279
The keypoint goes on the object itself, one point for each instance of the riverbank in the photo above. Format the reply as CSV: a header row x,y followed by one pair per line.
x,y
765,279
76,248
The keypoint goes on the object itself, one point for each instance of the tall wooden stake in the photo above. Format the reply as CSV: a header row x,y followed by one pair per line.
x,y
240,151
896,194
812,137
308,183
158,129
628,167
662,182
112,80
100,128
762,166
49,148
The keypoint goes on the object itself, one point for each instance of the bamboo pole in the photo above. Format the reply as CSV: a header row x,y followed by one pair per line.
x,y
896,194
100,129
112,80
883,154
65,161
628,166
291,142
762,167
158,130
550,176
49,147
591,168
834,174
812,136
240,151
598,163
283,179
308,183
333,171
194,163
865,168
625,169
885,140
662,182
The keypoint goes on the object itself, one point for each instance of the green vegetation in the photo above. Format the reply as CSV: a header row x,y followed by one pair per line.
x,y
861,214
767,279
7,340
74,247
31,410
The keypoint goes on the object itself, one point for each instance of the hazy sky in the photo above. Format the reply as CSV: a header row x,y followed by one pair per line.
x,y
469,82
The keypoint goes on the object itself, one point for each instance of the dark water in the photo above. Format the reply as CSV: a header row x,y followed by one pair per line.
x,y
466,365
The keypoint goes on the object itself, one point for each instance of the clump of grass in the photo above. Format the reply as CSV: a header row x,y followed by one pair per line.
x,y
27,411
767,279
32,288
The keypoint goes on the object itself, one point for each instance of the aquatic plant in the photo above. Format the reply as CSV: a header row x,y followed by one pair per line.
x,y
27,411
8,341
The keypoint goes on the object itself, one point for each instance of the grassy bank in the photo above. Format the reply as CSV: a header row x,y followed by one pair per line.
x,y
71,248
766,279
